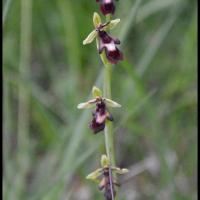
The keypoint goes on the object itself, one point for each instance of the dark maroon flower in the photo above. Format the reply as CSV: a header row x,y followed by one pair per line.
x,y
107,6
113,54
107,184
101,113
99,117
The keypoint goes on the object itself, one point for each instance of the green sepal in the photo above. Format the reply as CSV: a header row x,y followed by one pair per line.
x,y
96,19
111,103
88,104
113,23
94,175
96,92
105,161
120,170
90,37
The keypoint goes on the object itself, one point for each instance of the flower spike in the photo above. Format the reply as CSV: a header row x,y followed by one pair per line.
x,y
107,47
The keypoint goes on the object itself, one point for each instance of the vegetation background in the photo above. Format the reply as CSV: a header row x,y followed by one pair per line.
x,y
48,148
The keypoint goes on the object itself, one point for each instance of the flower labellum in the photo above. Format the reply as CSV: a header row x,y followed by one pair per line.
x,y
107,6
109,44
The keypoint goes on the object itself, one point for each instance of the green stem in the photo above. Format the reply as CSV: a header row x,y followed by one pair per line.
x,y
109,127
107,94
108,131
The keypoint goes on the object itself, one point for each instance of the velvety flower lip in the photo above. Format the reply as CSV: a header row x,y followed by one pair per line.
x,y
96,127
107,6
113,54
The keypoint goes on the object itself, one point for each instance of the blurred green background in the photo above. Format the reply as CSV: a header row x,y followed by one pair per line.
x,y
48,148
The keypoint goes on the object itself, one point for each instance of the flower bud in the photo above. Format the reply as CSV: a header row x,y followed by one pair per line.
x,y
107,6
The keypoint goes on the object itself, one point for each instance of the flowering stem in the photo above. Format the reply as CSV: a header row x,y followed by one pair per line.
x,y
108,128
108,131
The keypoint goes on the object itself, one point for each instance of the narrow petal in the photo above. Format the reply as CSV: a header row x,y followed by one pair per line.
x,y
102,184
116,41
90,37
111,103
109,117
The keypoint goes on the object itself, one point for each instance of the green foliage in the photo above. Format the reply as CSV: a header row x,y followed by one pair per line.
x,y
48,147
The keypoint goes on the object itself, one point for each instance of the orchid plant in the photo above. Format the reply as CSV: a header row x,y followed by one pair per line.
x,y
101,117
